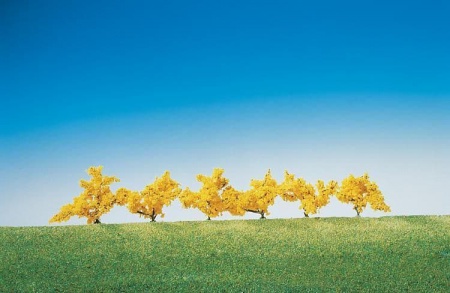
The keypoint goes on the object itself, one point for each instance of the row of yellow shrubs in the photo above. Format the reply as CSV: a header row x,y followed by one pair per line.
x,y
217,196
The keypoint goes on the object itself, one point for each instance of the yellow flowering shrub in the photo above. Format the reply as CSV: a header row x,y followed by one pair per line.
x,y
149,202
208,199
260,196
95,200
360,191
293,189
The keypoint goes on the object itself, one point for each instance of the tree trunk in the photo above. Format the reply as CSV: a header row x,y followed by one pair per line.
x,y
209,218
357,213
306,215
97,221
153,216
262,215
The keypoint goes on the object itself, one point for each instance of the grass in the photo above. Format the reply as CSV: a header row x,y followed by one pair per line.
x,y
285,255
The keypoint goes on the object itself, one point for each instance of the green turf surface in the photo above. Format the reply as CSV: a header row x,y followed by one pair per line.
x,y
387,254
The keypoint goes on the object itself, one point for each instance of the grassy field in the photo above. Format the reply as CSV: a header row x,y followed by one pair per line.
x,y
296,255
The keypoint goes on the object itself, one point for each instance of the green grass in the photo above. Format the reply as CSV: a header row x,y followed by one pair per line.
x,y
388,254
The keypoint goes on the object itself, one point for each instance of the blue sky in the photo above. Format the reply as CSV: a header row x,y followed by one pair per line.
x,y
321,88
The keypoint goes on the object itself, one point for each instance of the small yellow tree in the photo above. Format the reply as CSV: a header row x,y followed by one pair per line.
x,y
293,189
208,199
261,195
149,202
360,191
95,200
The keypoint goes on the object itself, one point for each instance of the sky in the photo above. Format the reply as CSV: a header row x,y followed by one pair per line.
x,y
322,89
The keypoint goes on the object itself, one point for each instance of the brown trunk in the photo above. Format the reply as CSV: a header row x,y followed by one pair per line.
x,y
97,221
306,215
256,212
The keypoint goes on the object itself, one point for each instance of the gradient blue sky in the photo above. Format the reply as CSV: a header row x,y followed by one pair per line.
x,y
320,88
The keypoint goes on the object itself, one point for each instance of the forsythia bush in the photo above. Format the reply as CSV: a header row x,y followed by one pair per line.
x,y
209,198
293,189
95,201
360,191
216,196
260,196
149,202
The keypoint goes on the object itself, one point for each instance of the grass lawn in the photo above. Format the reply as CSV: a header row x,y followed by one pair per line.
x,y
388,254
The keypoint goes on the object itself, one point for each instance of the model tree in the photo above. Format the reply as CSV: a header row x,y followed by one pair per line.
x,y
94,201
209,198
261,195
297,189
149,202
360,191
